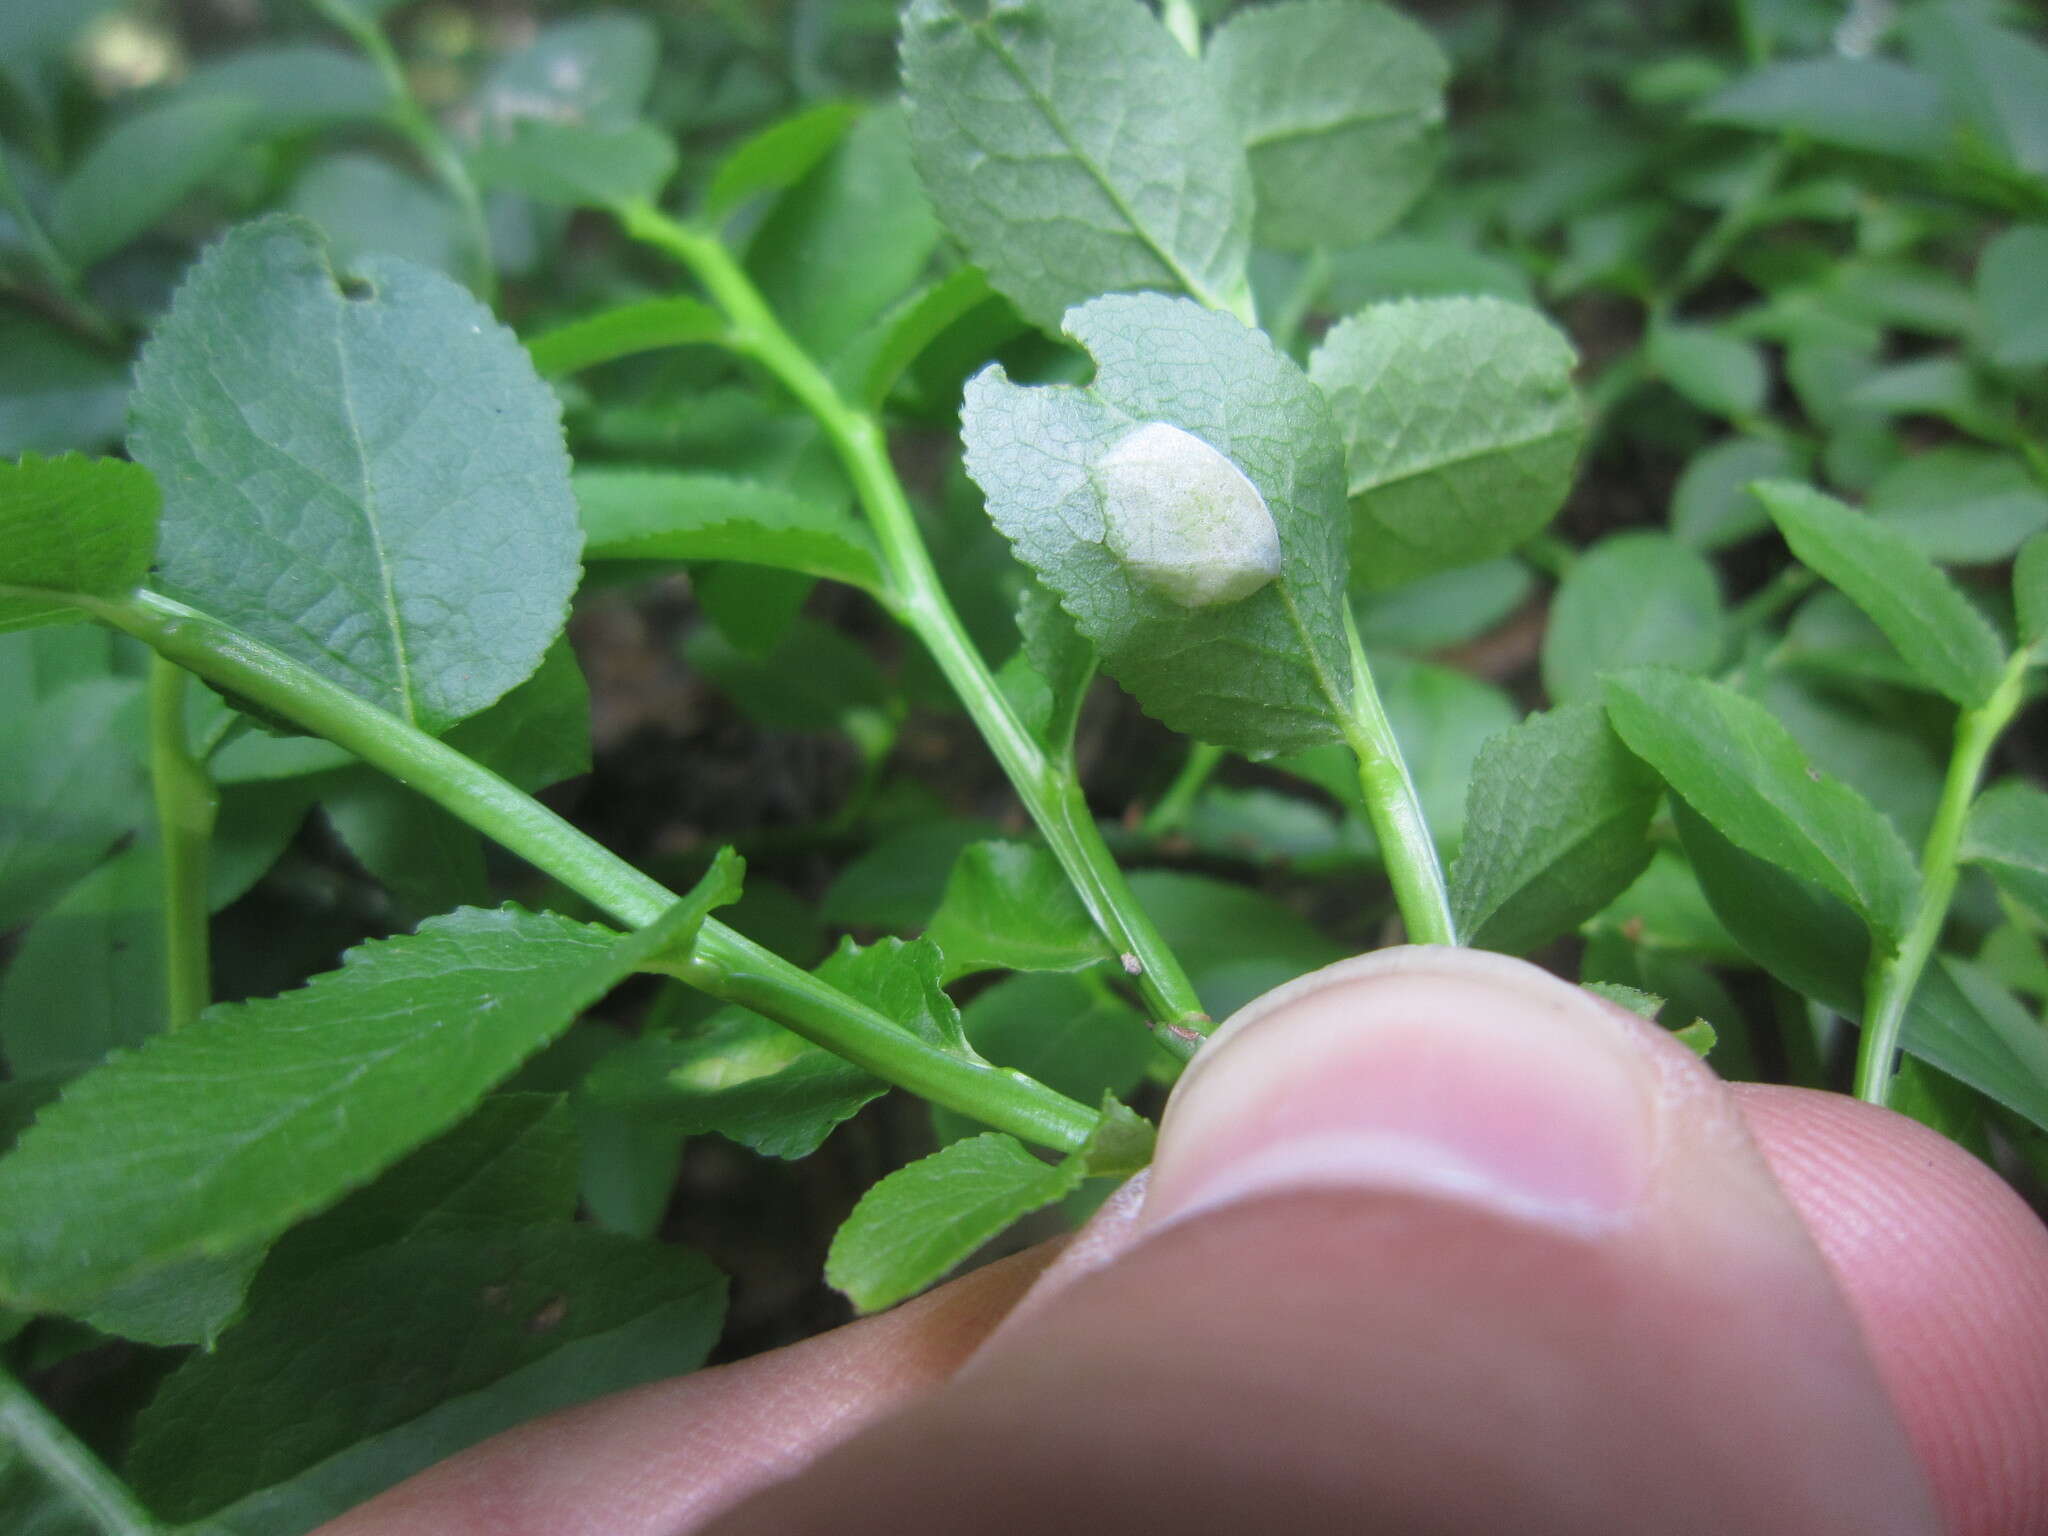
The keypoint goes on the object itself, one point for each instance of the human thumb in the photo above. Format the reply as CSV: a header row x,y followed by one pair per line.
x,y
1434,1243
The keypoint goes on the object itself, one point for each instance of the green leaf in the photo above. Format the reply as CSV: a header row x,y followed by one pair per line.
x,y
815,679
1059,660
142,169
1421,267
1711,506
428,860
2011,276
847,241
375,1341
1121,1144
663,1342
1432,613
1870,104
1790,927
922,1220
901,980
1969,1026
89,976
387,500
366,206
1741,770
1717,372
1960,505
1461,427
1075,149
191,1302
1261,672
1996,76
1941,386
642,326
1959,1020
736,1075
294,87
1892,762
256,824
71,783
55,391
654,514
758,611
1907,295
1341,109
1265,826
746,1078
898,882
36,36
1235,942
1937,629
1699,1037
1557,826
1634,599
595,69
539,733
512,1163
1644,1005
71,528
217,1137
1008,906
919,322
577,165
1078,1039
2030,590
1831,636
2008,834
775,158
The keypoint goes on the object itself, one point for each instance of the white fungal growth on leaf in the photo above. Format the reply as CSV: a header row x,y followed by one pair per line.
x,y
1184,520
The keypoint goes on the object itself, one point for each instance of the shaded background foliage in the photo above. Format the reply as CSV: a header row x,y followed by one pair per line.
x,y
1762,279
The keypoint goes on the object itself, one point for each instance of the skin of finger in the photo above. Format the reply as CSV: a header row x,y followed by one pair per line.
x,y
1342,1360
1941,1263
665,1458
1939,1260
1947,1271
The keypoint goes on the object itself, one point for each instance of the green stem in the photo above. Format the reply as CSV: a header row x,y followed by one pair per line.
x,y
1171,813
722,963
1893,977
1050,790
186,804
40,1437
1395,808
417,124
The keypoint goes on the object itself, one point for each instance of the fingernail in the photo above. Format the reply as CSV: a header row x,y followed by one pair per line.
x,y
1451,1074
